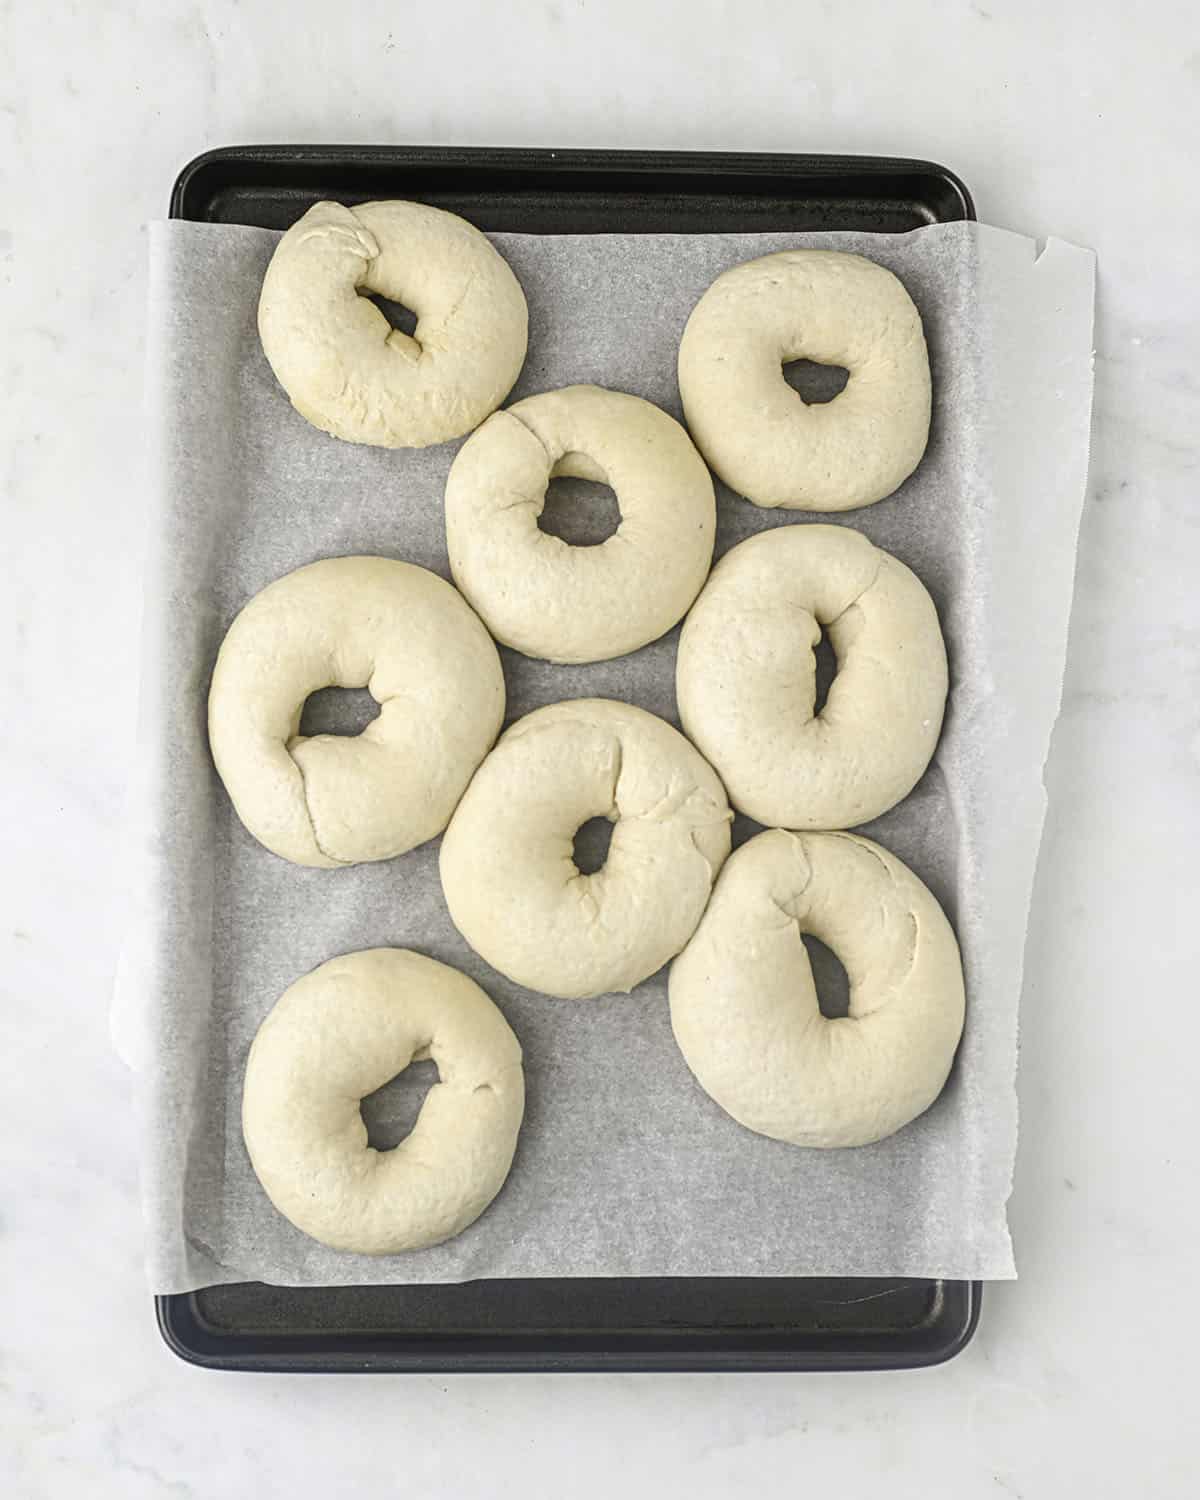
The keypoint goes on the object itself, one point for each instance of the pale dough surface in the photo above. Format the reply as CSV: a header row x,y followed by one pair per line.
x,y
508,875
336,1036
346,369
353,622
746,677
534,591
744,1007
757,433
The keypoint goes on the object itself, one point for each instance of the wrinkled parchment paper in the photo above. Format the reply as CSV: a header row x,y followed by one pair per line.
x,y
625,1167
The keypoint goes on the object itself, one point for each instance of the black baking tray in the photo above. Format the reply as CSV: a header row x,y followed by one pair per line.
x,y
643,1323
532,191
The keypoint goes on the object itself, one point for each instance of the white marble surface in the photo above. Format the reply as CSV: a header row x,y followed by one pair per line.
x,y
1074,118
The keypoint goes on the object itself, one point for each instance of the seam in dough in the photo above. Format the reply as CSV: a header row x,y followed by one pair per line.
x,y
537,593
406,634
345,369
745,677
512,887
337,1035
744,1008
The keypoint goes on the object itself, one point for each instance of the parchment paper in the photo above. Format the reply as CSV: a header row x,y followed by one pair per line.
x,y
625,1167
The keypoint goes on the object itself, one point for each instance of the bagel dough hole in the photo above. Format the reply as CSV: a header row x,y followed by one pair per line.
x,y
391,1111
334,710
827,669
580,512
833,987
401,318
814,383
592,840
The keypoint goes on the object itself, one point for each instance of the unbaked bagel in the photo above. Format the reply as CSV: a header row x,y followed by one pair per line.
x,y
509,878
353,622
345,368
757,433
744,1007
746,677
336,1036
577,604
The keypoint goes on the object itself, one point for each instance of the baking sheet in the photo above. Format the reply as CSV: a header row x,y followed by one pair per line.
x,y
624,1166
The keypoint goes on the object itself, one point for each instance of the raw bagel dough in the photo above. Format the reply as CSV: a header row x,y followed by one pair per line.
x,y
755,431
744,1008
746,677
508,875
353,622
343,365
336,1036
576,604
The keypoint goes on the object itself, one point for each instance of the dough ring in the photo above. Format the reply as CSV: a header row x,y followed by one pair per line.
x,y
508,875
744,1008
755,431
340,361
577,604
336,1036
353,622
746,677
